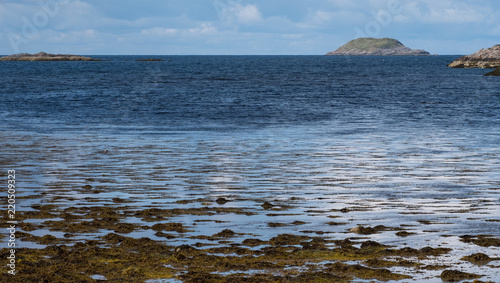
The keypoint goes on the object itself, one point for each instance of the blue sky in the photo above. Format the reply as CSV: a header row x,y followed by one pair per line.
x,y
248,27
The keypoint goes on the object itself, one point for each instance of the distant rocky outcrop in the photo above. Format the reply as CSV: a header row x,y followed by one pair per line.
x,y
149,60
484,58
42,56
376,46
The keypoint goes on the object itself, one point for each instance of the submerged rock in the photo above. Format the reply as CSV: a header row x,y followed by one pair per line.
x,y
484,58
494,73
221,201
376,46
42,56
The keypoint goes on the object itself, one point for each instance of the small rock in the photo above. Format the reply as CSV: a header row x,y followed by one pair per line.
x,y
184,248
267,205
180,257
363,230
276,224
252,242
225,234
403,234
286,239
336,223
113,238
221,201
371,244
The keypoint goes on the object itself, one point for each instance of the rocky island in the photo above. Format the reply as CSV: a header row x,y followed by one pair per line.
x,y
42,56
376,46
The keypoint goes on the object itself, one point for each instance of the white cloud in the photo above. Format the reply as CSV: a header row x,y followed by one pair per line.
x,y
157,31
200,30
241,14
204,29
70,37
323,16
341,16
436,12
344,3
247,14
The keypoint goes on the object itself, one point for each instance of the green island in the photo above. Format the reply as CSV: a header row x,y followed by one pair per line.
x,y
376,46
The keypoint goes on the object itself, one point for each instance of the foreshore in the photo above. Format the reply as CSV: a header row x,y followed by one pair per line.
x,y
225,256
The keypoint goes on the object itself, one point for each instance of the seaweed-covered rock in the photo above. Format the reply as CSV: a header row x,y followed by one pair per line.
x,y
481,240
267,205
457,276
479,259
225,234
287,239
363,230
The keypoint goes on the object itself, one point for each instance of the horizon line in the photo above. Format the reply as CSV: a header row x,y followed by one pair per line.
x,y
1,55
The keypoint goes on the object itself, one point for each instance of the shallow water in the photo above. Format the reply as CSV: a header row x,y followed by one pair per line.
x,y
399,142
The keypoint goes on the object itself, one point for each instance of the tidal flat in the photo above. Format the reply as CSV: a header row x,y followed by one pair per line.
x,y
266,207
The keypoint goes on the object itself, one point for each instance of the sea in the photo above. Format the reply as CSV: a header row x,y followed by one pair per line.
x,y
361,140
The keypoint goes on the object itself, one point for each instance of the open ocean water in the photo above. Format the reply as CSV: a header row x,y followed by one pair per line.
x,y
393,141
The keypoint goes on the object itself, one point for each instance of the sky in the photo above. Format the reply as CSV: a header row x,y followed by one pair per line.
x,y
243,27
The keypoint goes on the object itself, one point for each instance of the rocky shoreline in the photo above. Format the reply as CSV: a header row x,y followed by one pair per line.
x,y
484,58
42,56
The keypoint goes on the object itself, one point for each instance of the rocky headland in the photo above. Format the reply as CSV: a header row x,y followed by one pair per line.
x,y
42,56
484,58
376,46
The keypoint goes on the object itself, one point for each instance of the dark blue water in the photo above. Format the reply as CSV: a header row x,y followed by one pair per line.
x,y
245,92
397,140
